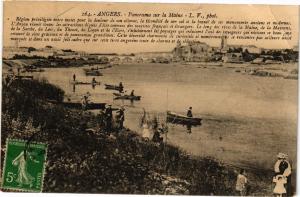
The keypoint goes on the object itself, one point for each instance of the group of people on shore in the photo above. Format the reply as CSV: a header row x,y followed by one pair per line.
x,y
281,179
152,130
106,115
110,122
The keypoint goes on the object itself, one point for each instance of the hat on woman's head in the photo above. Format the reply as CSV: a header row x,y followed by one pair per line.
x,y
281,155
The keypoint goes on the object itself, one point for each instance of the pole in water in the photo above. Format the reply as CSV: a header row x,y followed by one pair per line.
x,y
167,98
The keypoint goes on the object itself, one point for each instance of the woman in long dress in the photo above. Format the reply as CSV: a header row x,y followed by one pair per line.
x,y
145,123
146,131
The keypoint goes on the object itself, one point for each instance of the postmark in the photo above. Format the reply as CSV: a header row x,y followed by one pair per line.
x,y
24,166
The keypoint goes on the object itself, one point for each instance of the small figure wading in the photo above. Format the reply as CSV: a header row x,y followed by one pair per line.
x,y
74,77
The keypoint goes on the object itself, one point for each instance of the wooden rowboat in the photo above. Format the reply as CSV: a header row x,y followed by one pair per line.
x,y
175,118
84,83
78,105
33,70
90,69
127,97
113,87
93,73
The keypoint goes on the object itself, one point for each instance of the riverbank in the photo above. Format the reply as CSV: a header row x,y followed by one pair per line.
x,y
281,70
82,158
49,63
243,115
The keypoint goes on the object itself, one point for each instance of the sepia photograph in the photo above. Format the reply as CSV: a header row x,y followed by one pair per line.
x,y
149,98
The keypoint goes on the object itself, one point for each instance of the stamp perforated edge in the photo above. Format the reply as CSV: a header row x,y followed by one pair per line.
x,y
4,165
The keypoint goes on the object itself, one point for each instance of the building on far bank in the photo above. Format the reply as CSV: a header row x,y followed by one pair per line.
x,y
251,49
193,52
153,56
233,58
127,59
115,59
105,57
233,48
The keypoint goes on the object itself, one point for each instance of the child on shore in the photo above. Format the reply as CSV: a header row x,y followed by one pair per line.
x,y
279,189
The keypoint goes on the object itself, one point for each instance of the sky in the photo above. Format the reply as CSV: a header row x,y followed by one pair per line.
x,y
75,9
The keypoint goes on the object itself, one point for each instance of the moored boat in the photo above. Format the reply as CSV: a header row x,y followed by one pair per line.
x,y
175,118
113,87
84,83
127,97
33,70
78,105
93,73
90,69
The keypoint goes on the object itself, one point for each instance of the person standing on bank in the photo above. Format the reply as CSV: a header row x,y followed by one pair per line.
x,y
108,119
279,189
85,101
74,77
189,112
241,183
283,167
121,117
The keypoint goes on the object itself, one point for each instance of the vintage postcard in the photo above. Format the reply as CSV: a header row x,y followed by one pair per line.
x,y
149,98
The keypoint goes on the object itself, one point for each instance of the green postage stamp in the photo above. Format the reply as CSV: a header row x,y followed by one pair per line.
x,y
24,166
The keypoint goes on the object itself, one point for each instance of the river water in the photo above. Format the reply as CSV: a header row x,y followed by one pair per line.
x,y
247,119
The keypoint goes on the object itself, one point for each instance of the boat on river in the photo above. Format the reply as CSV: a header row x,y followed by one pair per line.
x,y
113,87
105,67
78,105
85,83
126,97
31,70
93,73
175,118
90,69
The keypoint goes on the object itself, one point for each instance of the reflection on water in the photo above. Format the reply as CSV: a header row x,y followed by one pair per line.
x,y
189,128
246,119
